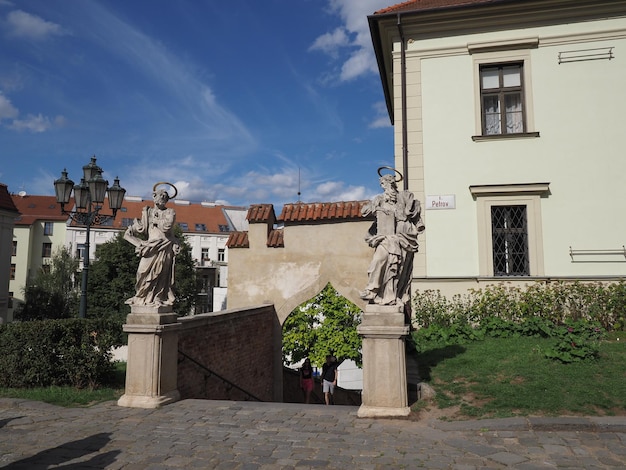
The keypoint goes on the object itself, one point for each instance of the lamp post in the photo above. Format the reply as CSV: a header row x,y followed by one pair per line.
x,y
88,197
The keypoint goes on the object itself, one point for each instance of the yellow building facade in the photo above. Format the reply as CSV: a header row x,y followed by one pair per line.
x,y
508,127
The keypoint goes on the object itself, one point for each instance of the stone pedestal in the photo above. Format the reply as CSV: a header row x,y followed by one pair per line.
x,y
384,362
151,370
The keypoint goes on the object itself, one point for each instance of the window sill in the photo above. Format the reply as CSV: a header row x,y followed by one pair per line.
x,y
522,135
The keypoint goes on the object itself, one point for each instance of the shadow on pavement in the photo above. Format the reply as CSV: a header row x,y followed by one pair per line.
x,y
69,451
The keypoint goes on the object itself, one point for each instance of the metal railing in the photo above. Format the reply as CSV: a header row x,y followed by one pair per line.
x,y
210,373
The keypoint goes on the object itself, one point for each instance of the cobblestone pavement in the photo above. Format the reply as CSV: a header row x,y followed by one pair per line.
x,y
245,435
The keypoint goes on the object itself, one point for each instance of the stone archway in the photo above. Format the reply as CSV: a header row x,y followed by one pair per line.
x,y
287,260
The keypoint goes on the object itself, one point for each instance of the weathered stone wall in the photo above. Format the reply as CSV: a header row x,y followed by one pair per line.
x,y
240,345
312,256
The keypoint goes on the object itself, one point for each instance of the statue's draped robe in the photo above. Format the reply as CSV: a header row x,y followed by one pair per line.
x,y
394,237
155,275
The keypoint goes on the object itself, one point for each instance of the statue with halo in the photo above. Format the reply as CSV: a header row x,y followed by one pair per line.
x,y
157,247
393,235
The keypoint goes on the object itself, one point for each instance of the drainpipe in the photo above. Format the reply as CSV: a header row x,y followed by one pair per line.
x,y
405,150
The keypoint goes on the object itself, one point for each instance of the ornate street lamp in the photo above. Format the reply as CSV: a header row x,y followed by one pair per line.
x,y
89,197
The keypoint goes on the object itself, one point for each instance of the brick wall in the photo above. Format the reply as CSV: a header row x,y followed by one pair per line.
x,y
237,345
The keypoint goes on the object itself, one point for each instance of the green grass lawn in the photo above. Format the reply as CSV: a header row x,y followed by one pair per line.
x,y
482,379
512,377
70,396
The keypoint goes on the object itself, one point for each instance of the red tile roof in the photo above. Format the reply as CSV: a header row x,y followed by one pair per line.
x,y
293,214
33,208
275,239
261,213
321,211
6,201
238,240
197,217
423,5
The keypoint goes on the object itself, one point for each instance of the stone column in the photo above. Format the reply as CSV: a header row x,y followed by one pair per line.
x,y
152,367
384,362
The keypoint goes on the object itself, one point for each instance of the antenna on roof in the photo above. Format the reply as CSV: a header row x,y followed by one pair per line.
x,y
299,193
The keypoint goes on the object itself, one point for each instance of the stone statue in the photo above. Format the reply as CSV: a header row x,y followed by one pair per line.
x,y
393,236
156,245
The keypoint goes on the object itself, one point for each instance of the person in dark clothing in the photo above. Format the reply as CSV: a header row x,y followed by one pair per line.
x,y
329,378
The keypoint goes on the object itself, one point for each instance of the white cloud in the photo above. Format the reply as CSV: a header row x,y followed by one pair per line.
x,y
32,123
24,25
353,35
330,42
7,110
382,117
36,124
181,82
359,63
334,191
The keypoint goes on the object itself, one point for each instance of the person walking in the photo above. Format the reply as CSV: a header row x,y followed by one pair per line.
x,y
306,380
329,378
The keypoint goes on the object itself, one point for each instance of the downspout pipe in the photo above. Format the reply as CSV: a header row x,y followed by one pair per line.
x,y
405,149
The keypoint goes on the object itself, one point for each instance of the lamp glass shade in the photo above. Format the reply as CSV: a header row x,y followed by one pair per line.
x,y
91,169
63,188
97,188
81,194
116,195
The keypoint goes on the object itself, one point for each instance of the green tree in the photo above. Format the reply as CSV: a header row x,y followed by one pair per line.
x,y
323,325
51,294
185,286
112,278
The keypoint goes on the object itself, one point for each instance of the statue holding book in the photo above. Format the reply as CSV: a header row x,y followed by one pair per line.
x,y
157,247
393,235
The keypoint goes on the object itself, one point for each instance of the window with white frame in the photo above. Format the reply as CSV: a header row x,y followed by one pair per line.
x,y
503,91
221,254
502,99
48,228
510,241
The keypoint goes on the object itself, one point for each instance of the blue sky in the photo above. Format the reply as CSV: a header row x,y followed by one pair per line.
x,y
238,101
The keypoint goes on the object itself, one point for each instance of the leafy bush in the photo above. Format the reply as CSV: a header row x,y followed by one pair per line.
x,y
556,302
577,341
576,315
74,352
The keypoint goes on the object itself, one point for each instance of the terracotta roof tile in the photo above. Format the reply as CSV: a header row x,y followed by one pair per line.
x,y
193,218
321,211
275,239
6,201
261,213
33,208
238,240
423,5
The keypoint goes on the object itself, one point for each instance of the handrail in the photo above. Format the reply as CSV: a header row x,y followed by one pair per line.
x,y
226,381
613,251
